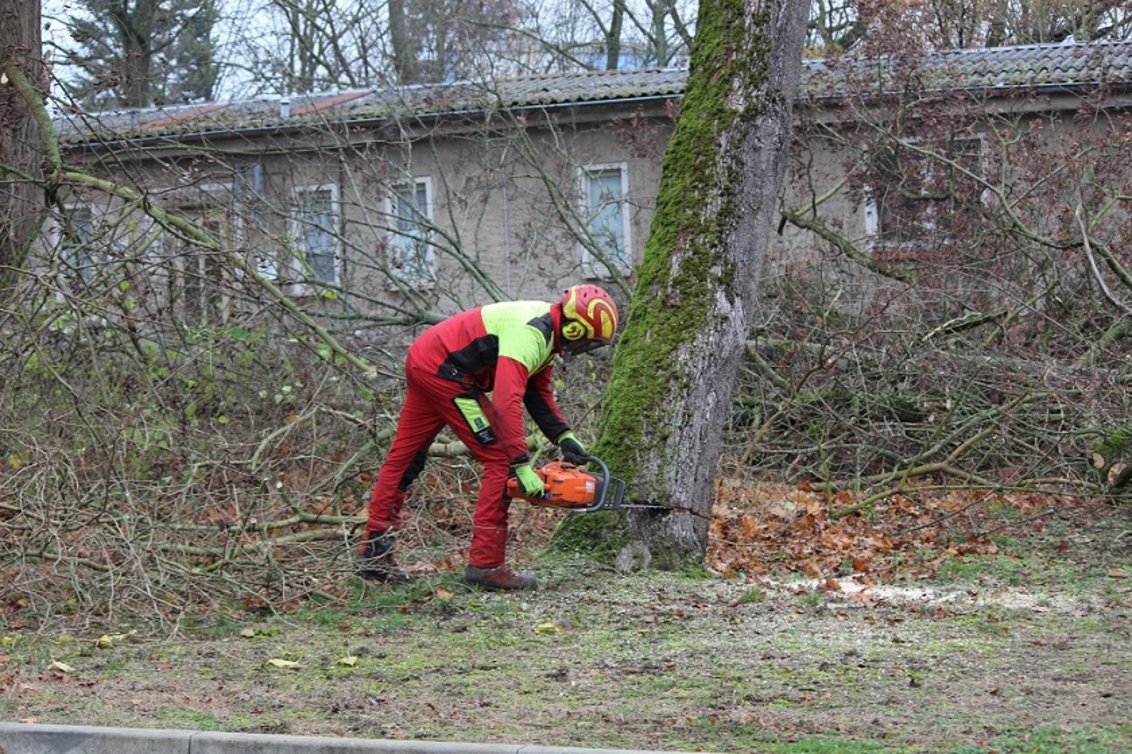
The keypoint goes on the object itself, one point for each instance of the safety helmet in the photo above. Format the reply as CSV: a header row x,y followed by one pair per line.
x,y
589,318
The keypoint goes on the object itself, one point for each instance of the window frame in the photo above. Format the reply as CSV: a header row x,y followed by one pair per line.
x,y
395,237
218,219
80,248
296,227
592,267
871,206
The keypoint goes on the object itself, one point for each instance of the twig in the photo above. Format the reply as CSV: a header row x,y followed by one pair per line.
x,y
1093,264
944,517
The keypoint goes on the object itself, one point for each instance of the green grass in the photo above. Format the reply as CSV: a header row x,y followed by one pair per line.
x,y
826,745
812,600
1024,569
654,661
752,597
187,719
1092,740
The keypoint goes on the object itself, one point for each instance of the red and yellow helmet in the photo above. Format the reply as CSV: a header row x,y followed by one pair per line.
x,y
589,318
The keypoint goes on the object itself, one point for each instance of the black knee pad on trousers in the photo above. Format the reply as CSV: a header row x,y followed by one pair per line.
x,y
414,470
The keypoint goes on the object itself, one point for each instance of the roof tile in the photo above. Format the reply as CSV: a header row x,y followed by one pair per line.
x,y
1001,69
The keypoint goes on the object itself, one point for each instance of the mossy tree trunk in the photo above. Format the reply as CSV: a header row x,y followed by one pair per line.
x,y
22,78
675,367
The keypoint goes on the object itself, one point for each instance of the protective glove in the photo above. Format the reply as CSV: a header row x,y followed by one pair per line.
x,y
529,482
572,450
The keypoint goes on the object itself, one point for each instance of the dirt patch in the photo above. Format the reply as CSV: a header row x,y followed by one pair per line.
x,y
1025,650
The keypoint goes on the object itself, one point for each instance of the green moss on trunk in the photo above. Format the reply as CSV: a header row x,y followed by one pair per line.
x,y
677,354
684,269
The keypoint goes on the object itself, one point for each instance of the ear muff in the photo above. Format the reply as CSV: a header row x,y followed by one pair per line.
x,y
573,331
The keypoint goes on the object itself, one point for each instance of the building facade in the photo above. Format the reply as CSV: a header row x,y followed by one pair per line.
x,y
371,208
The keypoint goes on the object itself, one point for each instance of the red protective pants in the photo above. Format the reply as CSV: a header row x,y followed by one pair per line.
x,y
430,403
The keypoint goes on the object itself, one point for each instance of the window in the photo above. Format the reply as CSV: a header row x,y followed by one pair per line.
x,y
196,276
605,210
315,230
918,200
78,261
411,256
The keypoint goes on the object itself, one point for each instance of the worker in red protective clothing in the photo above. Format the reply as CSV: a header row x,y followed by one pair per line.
x,y
505,349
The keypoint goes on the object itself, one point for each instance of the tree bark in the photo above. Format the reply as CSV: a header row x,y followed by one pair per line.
x,y
675,369
404,51
21,141
613,38
136,30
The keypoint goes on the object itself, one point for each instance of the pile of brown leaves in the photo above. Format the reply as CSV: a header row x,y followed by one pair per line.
x,y
767,528
761,528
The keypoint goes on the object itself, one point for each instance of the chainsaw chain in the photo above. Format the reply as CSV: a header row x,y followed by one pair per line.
x,y
655,507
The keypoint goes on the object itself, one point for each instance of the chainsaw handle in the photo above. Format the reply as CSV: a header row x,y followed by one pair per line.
x,y
602,486
604,492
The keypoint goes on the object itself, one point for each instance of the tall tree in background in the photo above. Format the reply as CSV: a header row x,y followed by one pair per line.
x,y
317,45
454,39
22,81
621,34
608,23
401,43
949,24
194,67
441,40
661,31
144,52
675,368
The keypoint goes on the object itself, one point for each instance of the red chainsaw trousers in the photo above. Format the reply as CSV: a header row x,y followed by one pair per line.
x,y
430,403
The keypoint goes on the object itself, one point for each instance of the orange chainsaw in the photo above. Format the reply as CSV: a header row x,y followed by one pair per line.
x,y
569,486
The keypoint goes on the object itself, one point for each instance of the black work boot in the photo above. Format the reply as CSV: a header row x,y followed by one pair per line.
x,y
376,562
501,577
